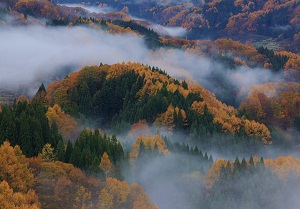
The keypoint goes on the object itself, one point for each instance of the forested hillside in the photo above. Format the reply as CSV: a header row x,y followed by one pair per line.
x,y
149,104
123,94
251,20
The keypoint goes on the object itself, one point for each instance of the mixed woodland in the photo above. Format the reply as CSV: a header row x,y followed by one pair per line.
x,y
129,135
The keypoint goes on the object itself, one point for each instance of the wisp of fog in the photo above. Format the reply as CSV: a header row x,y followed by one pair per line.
x,y
36,52
169,31
32,52
91,9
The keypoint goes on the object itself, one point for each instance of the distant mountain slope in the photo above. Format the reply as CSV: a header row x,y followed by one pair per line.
x,y
126,93
247,21
272,23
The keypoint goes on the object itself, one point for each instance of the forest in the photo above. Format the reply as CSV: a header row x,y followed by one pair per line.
x,y
149,104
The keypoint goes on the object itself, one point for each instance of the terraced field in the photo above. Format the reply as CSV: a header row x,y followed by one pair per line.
x,y
6,96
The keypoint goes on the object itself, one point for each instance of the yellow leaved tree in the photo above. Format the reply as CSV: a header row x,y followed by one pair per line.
x,y
13,168
105,164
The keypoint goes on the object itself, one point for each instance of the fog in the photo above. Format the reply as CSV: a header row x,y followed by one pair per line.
x,y
165,180
161,30
169,31
171,2
281,28
177,181
91,9
36,53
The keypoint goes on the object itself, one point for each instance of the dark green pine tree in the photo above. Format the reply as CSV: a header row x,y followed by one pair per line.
x,y
155,152
20,107
237,164
251,161
69,151
8,126
119,152
75,156
95,164
86,159
184,85
196,151
40,114
37,136
175,120
60,151
85,100
25,138
205,157
179,121
42,87
211,160
261,163
244,164
55,136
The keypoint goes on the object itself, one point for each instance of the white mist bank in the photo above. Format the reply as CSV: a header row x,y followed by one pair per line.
x,y
169,31
91,9
35,52
30,53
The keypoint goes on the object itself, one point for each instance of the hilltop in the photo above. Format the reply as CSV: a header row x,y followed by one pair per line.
x,y
126,93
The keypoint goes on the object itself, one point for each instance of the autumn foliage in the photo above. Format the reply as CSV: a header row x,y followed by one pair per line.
x,y
105,164
72,188
149,143
13,168
67,125
16,180
97,84
273,103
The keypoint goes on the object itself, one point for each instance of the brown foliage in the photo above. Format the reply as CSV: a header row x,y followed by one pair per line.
x,y
115,29
138,128
273,103
239,49
119,189
41,8
17,200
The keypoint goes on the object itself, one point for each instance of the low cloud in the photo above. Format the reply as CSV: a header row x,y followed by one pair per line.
x,y
91,9
170,2
281,28
35,53
169,31
167,181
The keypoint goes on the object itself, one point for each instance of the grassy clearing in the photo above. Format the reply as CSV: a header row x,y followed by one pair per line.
x,y
269,43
